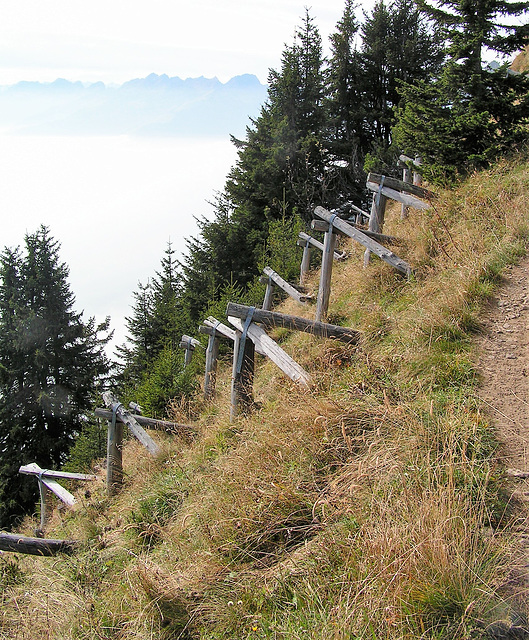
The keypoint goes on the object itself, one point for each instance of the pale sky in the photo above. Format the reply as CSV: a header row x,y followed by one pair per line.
x,y
116,40
114,203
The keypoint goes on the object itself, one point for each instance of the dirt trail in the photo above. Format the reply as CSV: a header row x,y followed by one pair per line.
x,y
503,352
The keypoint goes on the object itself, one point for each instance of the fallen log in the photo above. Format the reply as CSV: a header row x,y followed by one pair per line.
x,y
36,546
295,323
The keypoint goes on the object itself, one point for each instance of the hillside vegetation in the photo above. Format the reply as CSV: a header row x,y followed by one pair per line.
x,y
371,506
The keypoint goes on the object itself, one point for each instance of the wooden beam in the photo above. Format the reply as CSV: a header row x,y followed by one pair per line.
x,y
226,331
321,225
401,185
45,477
36,546
273,319
34,470
278,355
338,255
127,418
151,423
287,288
404,198
222,329
379,250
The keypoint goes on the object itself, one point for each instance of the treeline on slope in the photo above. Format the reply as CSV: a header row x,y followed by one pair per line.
x,y
51,366
409,78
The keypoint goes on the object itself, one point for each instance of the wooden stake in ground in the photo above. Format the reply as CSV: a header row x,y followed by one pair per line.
x,y
324,290
115,441
242,374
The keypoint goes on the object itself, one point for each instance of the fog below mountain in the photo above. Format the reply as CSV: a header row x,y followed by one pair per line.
x,y
153,106
113,202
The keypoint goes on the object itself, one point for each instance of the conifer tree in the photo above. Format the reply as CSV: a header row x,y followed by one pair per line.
x,y
472,113
50,364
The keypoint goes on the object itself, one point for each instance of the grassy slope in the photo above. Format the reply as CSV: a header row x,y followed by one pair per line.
x,y
370,507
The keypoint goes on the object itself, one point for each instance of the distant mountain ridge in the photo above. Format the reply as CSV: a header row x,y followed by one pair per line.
x,y
155,105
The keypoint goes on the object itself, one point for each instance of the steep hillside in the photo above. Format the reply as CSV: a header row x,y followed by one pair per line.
x,y
374,505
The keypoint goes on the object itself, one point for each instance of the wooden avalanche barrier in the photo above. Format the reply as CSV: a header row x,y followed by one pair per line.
x,y
295,323
47,478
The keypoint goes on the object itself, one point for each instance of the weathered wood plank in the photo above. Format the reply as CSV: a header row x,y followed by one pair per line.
x,y
226,331
321,225
278,355
401,185
381,251
127,418
219,327
338,255
273,319
405,198
287,287
46,478
33,469
151,423
36,546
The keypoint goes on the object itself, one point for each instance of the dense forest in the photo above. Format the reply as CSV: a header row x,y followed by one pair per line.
x,y
406,77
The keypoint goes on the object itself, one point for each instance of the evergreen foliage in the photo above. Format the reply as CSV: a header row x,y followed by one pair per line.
x,y
471,113
50,365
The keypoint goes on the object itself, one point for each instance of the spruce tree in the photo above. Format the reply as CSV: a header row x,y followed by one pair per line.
x,y
472,112
50,366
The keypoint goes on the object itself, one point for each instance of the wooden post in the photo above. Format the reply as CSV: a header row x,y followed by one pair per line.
x,y
189,344
42,492
406,177
417,177
114,456
242,376
305,261
267,302
324,289
376,219
212,354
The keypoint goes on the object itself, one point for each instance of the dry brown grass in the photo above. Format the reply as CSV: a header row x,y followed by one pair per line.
x,y
370,506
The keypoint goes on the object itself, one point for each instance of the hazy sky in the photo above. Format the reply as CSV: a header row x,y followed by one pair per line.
x,y
116,40
114,203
